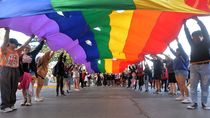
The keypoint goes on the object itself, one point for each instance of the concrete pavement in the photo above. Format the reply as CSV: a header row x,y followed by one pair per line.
x,y
105,102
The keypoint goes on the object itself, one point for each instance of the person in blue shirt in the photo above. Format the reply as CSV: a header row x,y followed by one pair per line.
x,y
181,64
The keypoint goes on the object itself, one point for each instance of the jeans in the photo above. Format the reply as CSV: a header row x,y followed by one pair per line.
x,y
146,82
200,73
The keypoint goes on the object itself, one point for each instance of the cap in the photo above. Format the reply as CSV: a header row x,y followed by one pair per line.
x,y
14,41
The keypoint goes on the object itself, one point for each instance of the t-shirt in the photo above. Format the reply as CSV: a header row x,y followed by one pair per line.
x,y
11,59
158,65
76,74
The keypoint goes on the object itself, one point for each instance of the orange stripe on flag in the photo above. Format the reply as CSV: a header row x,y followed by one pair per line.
x,y
141,27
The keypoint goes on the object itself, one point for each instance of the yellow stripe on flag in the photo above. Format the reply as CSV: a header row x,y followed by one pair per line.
x,y
108,65
167,5
120,24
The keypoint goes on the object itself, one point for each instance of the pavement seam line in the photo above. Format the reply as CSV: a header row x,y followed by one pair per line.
x,y
139,108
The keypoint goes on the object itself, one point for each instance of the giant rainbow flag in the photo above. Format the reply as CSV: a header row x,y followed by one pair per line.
x,y
105,35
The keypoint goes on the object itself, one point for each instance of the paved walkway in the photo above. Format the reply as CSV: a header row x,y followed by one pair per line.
x,y
105,102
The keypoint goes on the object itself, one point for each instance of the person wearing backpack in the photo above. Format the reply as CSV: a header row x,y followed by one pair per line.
x,y
42,70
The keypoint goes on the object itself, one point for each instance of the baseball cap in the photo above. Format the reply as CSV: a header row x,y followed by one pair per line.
x,y
14,41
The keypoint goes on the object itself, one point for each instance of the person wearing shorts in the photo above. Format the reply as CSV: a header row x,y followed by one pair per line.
x,y
181,64
158,67
171,75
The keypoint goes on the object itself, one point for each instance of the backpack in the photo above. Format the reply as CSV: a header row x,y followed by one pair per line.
x,y
55,70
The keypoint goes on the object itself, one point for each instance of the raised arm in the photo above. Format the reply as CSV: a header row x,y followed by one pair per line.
x,y
203,28
172,51
131,69
26,43
145,63
187,33
148,58
181,49
167,56
6,39
52,54
37,49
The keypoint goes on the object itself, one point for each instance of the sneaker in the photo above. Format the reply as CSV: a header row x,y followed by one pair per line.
x,y
39,99
146,91
6,110
24,102
156,92
174,94
187,100
76,89
165,90
192,107
205,107
13,108
63,94
180,98
28,104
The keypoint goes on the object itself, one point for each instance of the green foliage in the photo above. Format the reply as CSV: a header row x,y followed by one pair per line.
x,y
56,55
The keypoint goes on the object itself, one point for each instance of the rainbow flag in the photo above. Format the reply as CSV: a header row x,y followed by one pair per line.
x,y
98,35
12,8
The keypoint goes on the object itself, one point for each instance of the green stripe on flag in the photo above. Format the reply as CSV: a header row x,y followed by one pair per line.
x,y
101,66
67,5
99,23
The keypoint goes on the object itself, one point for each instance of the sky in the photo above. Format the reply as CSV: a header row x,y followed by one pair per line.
x,y
192,25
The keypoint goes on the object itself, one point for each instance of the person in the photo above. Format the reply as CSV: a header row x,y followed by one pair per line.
x,y
181,64
9,71
82,77
31,67
171,75
76,77
86,79
26,85
68,81
28,68
200,66
158,65
140,76
60,74
134,76
42,70
165,78
147,76
105,79
123,79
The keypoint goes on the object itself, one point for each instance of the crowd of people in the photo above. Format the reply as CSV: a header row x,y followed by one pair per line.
x,y
19,69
